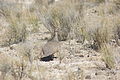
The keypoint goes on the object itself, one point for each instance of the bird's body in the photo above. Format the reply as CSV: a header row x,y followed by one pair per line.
x,y
51,47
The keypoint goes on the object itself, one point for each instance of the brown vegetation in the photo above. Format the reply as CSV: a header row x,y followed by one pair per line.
x,y
95,23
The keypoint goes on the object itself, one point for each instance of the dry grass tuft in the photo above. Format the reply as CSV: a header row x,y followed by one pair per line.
x,y
15,32
108,56
61,15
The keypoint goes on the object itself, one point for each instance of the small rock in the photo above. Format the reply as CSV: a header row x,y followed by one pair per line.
x,y
88,77
81,56
96,73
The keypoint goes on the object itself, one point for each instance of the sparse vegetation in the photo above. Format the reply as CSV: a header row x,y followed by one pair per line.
x,y
15,31
64,17
22,27
108,56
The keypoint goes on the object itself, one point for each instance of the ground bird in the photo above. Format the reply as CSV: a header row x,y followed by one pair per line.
x,y
51,47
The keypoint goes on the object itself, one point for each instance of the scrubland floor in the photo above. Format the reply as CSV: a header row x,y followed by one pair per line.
x,y
77,62
22,37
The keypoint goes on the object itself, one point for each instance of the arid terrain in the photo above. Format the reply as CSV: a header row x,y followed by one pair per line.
x,y
87,42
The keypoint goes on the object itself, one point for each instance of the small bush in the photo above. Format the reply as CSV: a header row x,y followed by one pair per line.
x,y
4,68
61,15
15,32
100,28
32,20
13,35
108,56
100,37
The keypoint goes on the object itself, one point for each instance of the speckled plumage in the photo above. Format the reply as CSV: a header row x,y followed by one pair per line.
x,y
52,46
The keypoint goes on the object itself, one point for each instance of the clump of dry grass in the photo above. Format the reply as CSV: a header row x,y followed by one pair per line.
x,y
102,33
22,66
117,30
61,15
107,56
101,36
15,32
18,72
5,66
4,69
14,67
43,3
98,35
11,66
117,35
31,19
20,23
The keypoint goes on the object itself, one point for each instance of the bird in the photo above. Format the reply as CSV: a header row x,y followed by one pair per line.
x,y
51,47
